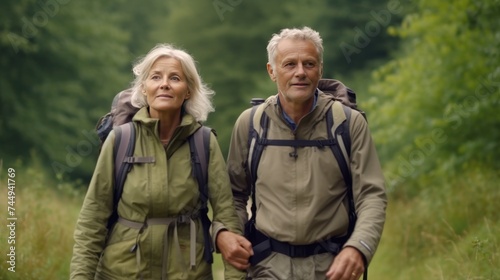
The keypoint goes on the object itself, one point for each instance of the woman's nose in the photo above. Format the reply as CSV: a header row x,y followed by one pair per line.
x,y
165,85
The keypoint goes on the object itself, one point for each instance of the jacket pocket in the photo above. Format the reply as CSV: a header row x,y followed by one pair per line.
x,y
118,258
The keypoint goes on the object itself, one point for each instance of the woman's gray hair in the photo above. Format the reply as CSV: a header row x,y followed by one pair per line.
x,y
199,105
306,33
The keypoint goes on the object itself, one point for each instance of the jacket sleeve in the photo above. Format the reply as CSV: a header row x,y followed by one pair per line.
x,y
91,226
368,189
221,200
237,165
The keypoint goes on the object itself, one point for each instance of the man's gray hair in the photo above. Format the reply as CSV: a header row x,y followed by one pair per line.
x,y
305,33
199,105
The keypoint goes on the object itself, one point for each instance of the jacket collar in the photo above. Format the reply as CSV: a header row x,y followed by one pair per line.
x,y
323,103
187,126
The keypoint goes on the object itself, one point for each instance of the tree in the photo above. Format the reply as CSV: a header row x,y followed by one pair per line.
x,y
59,60
229,39
355,33
437,100
65,60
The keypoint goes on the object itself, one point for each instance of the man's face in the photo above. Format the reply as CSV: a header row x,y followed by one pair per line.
x,y
297,70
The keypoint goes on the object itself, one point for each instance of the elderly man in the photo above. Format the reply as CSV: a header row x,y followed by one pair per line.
x,y
305,227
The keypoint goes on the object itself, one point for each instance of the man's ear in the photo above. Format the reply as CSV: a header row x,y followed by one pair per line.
x,y
270,71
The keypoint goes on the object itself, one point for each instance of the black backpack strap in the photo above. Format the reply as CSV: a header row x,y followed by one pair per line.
x,y
342,132
199,145
255,149
339,142
259,143
123,148
297,143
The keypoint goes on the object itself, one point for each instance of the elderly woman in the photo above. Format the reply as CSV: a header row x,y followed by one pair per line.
x,y
173,102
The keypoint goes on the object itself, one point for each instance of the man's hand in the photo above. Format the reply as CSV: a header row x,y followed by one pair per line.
x,y
235,249
347,265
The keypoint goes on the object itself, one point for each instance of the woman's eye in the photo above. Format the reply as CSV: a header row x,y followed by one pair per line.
x,y
175,78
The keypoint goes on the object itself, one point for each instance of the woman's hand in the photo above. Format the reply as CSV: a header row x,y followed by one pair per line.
x,y
235,249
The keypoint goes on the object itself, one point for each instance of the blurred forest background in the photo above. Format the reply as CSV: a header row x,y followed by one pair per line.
x,y
426,72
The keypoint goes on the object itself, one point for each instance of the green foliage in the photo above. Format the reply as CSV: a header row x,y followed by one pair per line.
x,y
63,62
230,47
229,39
59,59
436,100
355,33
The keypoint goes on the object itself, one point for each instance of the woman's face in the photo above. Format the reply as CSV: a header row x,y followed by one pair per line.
x,y
165,87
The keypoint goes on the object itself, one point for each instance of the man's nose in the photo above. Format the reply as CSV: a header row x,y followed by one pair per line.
x,y
300,70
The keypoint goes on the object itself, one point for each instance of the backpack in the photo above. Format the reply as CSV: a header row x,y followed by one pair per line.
x,y
338,141
119,119
341,93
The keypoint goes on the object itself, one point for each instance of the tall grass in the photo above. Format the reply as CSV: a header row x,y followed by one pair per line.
x,y
448,231
46,212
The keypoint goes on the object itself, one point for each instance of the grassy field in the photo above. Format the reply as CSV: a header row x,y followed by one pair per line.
x,y
46,213
449,231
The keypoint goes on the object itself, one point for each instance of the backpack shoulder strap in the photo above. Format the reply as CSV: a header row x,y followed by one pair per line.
x,y
259,122
338,123
123,148
199,145
341,118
